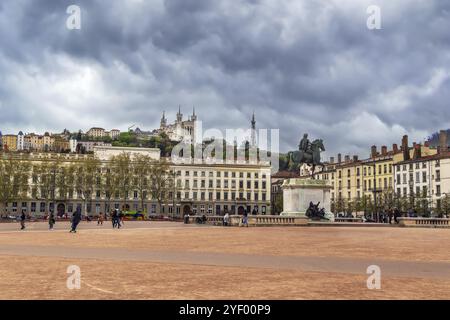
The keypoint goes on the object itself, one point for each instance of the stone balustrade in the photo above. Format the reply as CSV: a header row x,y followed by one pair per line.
x,y
258,220
424,222
348,219
272,220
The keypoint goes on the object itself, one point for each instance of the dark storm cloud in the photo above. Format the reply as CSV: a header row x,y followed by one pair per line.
x,y
302,66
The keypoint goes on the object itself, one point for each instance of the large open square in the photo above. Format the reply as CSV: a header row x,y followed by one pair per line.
x,y
169,260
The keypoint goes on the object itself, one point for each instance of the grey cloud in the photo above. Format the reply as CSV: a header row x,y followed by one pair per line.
x,y
296,63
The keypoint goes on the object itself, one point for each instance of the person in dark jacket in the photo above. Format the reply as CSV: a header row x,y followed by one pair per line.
x,y
397,214
114,218
22,220
120,217
51,221
76,218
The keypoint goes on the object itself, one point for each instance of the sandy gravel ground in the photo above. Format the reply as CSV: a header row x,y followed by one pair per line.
x,y
172,261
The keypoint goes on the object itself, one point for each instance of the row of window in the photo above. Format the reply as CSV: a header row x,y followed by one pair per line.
x,y
421,177
367,171
202,208
419,191
417,165
218,174
218,184
225,195
367,184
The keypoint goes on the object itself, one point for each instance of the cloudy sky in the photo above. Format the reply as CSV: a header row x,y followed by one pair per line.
x,y
301,65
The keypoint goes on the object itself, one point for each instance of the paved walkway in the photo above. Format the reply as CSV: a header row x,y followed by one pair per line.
x,y
83,226
319,264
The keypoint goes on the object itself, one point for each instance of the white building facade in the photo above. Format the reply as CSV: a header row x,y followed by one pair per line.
x,y
426,179
210,189
20,141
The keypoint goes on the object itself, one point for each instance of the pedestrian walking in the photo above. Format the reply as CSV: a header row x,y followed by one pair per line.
x,y
391,215
76,218
114,218
226,219
245,219
396,215
22,220
51,221
120,219
100,219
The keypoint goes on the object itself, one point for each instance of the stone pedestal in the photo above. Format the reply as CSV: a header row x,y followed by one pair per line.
x,y
298,193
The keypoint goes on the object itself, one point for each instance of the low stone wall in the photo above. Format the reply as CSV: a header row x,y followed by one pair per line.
x,y
424,222
259,220
266,221
348,219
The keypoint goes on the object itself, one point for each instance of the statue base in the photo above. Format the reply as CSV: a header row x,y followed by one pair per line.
x,y
298,193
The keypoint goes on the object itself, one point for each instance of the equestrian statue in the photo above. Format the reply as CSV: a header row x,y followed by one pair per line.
x,y
308,152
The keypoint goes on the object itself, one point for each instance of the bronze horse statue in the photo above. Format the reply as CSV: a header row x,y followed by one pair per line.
x,y
310,157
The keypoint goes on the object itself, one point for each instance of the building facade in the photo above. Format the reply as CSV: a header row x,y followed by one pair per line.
x,y
276,193
96,132
200,188
20,141
180,130
9,142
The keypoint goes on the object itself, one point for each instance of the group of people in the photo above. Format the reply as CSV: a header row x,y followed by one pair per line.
x,y
51,220
389,214
117,218
386,216
244,220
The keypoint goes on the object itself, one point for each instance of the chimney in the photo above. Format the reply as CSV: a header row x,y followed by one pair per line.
x,y
355,158
417,151
395,148
443,141
331,159
384,150
347,158
373,151
405,148
339,158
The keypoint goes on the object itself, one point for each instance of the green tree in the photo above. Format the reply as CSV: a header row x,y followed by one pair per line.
x,y
45,181
88,173
65,182
122,175
278,204
14,175
110,184
161,181
141,165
